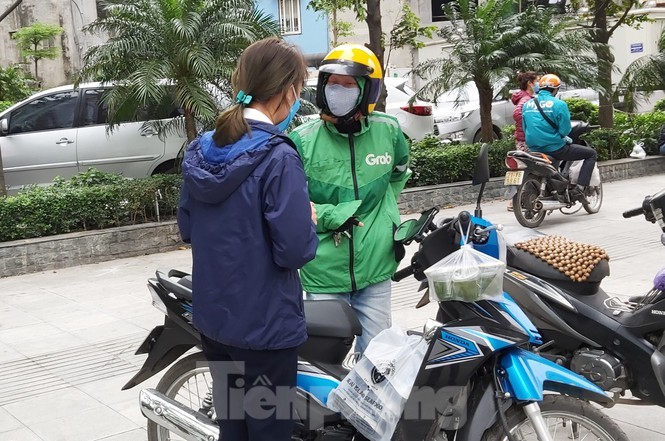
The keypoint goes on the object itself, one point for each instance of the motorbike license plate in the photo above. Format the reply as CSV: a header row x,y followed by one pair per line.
x,y
514,177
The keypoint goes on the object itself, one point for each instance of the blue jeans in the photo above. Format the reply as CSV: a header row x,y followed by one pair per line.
x,y
372,307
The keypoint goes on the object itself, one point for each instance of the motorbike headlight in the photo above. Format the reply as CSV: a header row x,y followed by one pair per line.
x,y
452,118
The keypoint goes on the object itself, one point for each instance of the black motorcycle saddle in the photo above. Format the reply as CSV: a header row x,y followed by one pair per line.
x,y
529,263
331,318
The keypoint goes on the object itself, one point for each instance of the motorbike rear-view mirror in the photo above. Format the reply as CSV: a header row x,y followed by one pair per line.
x,y
403,232
482,172
413,229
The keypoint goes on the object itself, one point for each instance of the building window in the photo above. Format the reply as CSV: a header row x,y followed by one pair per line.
x,y
289,16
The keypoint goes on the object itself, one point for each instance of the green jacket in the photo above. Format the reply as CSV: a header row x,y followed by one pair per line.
x,y
359,175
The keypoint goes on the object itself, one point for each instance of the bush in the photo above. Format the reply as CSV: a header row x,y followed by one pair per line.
x,y
88,201
582,110
660,105
435,162
4,105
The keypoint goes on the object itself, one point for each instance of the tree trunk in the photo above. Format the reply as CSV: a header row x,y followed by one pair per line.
x,y
373,21
605,63
335,30
36,73
485,96
190,125
3,188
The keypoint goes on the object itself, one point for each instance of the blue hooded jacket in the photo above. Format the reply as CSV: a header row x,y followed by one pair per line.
x,y
539,134
245,209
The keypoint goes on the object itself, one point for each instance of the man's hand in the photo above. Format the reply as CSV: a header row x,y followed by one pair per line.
x,y
568,140
349,224
314,218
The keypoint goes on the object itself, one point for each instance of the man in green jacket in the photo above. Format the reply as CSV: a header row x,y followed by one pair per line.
x,y
356,161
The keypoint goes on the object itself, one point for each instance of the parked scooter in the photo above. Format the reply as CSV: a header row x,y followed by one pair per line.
x,y
477,376
617,344
544,184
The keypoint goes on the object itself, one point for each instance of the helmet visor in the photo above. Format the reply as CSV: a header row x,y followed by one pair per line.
x,y
345,67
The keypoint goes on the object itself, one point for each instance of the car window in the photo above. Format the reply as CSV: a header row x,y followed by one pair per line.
x,y
95,110
50,112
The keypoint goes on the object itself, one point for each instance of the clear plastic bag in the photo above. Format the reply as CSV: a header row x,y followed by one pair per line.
x,y
373,395
574,174
466,275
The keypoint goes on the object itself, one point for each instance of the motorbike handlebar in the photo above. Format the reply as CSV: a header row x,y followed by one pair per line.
x,y
404,273
634,212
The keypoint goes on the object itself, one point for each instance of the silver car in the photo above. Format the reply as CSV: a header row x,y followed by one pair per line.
x,y
459,120
62,131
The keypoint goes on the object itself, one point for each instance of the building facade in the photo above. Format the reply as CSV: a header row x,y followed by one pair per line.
x,y
71,15
302,26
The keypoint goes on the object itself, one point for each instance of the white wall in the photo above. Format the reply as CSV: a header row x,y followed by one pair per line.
x,y
72,15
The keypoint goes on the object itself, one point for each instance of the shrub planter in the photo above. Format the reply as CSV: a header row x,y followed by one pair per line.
x,y
66,250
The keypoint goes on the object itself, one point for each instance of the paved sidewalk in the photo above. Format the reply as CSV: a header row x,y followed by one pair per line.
x,y
67,337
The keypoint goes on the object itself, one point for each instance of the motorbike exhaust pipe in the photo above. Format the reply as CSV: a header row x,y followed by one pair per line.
x,y
177,418
548,205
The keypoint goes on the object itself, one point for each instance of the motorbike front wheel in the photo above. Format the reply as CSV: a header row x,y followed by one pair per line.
x,y
188,382
567,419
524,201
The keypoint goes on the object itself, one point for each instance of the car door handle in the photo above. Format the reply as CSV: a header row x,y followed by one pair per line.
x,y
64,141
149,134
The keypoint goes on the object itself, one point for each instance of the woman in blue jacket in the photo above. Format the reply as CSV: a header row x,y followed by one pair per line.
x,y
246,211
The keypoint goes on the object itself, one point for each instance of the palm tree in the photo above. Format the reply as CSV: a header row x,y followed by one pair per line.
x,y
192,45
646,74
488,43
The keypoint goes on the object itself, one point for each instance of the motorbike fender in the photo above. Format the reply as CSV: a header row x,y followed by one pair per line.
x,y
528,375
482,412
164,345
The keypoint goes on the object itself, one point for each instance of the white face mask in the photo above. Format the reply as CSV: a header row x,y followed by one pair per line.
x,y
341,100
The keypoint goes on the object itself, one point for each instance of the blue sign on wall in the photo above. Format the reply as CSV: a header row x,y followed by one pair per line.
x,y
636,47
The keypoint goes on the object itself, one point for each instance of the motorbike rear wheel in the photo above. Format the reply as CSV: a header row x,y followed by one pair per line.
x,y
188,382
524,200
566,417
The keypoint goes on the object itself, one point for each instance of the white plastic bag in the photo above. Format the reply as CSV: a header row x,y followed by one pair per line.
x,y
373,395
574,174
466,275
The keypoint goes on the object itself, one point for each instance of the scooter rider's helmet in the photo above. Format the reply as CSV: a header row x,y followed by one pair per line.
x,y
550,82
357,61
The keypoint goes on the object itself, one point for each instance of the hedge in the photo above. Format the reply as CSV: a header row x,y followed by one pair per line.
x,y
436,162
91,200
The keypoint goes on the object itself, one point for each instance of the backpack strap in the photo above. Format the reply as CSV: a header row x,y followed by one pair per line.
x,y
547,118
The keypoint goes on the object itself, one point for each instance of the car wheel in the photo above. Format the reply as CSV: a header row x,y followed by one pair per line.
x,y
497,135
169,167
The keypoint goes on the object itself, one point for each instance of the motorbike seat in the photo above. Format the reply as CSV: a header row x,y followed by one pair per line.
x,y
176,282
527,262
331,318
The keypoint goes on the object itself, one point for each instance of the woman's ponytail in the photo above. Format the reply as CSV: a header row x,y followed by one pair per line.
x,y
231,126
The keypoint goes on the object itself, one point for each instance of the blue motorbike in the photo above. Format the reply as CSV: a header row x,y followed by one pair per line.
x,y
479,379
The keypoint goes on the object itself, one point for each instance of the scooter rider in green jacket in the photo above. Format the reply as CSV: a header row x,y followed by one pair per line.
x,y
356,162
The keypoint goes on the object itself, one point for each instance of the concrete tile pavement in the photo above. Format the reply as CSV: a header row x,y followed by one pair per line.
x,y
67,337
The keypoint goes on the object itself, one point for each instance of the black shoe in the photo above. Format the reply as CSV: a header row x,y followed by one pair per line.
x,y
578,194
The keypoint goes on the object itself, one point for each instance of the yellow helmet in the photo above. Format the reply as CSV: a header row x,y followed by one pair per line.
x,y
355,60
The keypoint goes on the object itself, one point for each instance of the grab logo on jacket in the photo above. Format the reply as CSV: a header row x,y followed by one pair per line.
x,y
373,159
